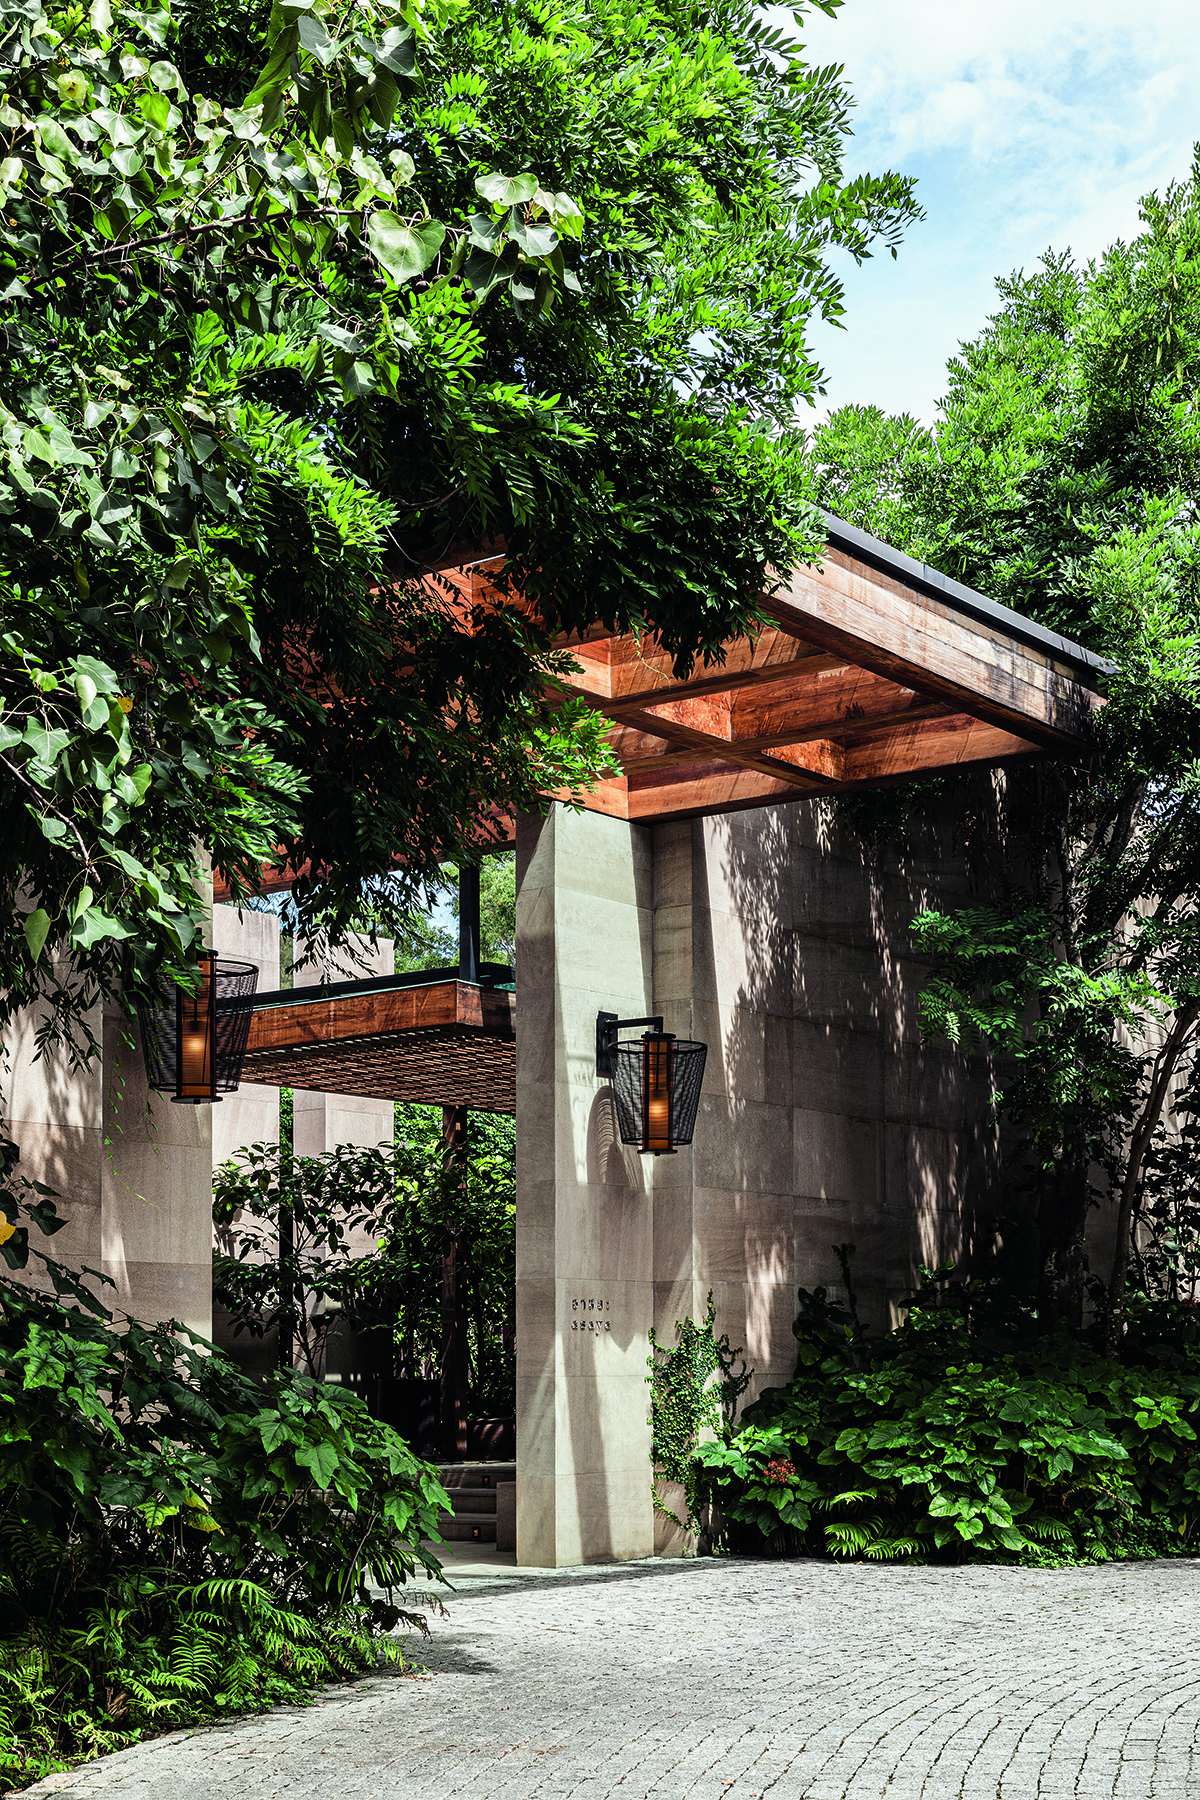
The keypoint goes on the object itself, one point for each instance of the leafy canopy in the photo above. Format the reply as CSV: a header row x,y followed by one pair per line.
x,y
303,301
1063,476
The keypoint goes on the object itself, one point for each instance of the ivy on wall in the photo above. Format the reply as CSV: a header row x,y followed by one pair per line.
x,y
694,1390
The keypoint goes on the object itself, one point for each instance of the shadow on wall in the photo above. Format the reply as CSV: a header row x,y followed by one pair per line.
x,y
828,1119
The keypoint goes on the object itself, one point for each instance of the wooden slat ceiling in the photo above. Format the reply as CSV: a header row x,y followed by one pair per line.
x,y
448,1044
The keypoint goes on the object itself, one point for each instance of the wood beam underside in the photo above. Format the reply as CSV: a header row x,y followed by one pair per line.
x,y
858,681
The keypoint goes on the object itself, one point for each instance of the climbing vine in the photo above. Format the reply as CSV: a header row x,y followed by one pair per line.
x,y
694,1389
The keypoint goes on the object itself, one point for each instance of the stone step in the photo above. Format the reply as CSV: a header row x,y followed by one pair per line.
x,y
475,1474
467,1529
474,1501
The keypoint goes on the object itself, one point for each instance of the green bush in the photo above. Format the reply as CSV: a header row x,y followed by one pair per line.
x,y
176,1542
940,1443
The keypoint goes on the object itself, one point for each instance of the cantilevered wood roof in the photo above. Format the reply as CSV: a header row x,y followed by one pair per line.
x,y
874,669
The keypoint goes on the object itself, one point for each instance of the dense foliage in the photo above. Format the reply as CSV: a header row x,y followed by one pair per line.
x,y
1062,476
304,300
366,1233
953,1440
177,1542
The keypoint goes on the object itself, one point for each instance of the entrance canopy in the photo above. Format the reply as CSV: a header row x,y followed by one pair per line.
x,y
874,669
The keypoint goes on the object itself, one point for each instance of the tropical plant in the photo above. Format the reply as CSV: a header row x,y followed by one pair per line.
x,y
949,1440
694,1391
360,1238
306,300
177,1542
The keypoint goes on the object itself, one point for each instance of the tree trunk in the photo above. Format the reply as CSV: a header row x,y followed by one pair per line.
x,y
1165,1064
455,1370
287,1244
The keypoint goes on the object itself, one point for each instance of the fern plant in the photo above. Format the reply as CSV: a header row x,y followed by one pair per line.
x,y
176,1542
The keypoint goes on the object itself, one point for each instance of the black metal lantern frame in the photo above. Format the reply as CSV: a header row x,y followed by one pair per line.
x,y
656,1082
194,1043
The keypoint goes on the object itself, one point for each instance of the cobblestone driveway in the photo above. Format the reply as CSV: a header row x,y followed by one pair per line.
x,y
737,1679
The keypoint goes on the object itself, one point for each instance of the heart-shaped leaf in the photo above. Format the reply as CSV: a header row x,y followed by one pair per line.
x,y
405,251
506,190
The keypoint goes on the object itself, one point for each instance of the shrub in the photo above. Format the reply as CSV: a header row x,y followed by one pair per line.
x,y
938,1443
177,1542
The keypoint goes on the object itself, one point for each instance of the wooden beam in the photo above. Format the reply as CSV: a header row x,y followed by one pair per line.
x,y
443,1004
676,733
928,747
908,637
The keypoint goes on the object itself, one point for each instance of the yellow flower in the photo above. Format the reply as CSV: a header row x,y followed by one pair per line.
x,y
125,703
6,1230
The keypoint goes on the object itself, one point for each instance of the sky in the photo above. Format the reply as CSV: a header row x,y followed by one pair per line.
x,y
1029,124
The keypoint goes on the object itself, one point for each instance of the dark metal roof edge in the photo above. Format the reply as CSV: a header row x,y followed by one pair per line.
x,y
890,561
380,984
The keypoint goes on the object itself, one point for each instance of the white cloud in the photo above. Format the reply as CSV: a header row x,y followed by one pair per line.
x,y
1029,123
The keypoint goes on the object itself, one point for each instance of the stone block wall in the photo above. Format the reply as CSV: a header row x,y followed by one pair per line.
x,y
774,938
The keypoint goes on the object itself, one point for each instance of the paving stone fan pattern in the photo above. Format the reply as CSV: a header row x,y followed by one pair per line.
x,y
740,1679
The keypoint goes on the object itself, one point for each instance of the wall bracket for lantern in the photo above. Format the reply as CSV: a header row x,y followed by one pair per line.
x,y
656,1082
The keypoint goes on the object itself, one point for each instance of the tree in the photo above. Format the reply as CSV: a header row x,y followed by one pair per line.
x,y
1062,477
301,298
358,1236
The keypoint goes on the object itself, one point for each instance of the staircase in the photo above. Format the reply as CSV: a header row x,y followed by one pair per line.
x,y
473,1489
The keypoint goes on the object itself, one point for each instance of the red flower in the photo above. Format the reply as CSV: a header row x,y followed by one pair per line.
x,y
780,1470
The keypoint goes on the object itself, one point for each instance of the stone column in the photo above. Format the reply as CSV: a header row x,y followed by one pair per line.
x,y
322,1121
251,1116
584,1208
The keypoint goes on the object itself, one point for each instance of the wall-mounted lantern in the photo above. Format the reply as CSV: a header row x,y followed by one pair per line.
x,y
656,1082
194,1043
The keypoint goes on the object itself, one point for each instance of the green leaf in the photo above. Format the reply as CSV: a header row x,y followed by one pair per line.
x,y
154,108
37,930
484,271
405,251
506,190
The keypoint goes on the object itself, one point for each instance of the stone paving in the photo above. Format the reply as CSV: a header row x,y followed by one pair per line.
x,y
735,1680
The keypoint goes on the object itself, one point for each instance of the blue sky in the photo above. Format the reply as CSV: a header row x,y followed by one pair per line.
x,y
1029,124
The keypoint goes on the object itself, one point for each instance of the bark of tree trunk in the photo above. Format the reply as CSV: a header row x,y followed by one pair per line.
x,y
1165,1064
286,1333
455,1369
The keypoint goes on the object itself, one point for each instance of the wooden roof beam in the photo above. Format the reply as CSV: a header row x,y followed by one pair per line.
x,y
909,637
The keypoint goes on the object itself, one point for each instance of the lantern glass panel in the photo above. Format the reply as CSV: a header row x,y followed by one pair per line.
x,y
195,1047
657,1060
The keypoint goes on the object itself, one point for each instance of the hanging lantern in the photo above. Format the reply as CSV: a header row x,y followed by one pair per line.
x,y
194,1043
656,1083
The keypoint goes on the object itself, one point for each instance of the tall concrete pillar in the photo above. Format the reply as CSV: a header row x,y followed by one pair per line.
x,y
251,1116
322,1121
585,1290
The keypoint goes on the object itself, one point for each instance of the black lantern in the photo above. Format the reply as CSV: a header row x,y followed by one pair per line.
x,y
656,1082
194,1043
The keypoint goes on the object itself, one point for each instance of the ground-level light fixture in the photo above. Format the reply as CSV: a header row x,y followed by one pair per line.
x,y
656,1082
194,1043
